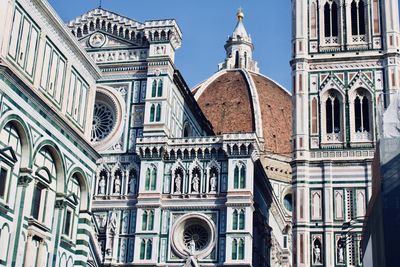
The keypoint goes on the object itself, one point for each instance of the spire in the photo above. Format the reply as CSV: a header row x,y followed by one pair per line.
x,y
239,48
240,30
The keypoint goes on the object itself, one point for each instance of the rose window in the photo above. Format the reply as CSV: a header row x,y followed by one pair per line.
x,y
103,121
193,234
195,237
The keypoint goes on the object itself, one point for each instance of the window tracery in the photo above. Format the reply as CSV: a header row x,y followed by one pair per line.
x,y
103,121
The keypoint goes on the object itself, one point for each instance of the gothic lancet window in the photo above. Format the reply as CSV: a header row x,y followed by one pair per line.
x,y
234,249
361,113
154,89
239,177
333,114
241,219
152,112
235,220
160,88
151,179
158,112
241,249
357,17
331,19
237,59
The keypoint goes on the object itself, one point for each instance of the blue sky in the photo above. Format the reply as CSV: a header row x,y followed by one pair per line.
x,y
206,25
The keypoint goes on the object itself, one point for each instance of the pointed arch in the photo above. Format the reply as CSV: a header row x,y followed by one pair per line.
x,y
84,188
24,137
58,158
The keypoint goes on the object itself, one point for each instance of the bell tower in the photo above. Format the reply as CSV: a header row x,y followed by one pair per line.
x,y
345,65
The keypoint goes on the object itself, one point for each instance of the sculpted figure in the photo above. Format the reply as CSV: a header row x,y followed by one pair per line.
x,y
117,184
195,183
317,255
178,183
132,182
213,183
102,185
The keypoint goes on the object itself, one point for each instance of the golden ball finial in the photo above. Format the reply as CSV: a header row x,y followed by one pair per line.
x,y
240,14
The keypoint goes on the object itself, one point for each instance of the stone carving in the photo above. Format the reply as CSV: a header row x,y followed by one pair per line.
x,y
195,183
132,183
178,183
102,185
117,184
111,231
340,253
317,255
97,40
213,183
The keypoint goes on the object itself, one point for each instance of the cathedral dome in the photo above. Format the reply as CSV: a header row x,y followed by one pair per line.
x,y
239,100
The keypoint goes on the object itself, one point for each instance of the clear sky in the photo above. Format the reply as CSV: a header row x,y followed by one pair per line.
x,y
206,25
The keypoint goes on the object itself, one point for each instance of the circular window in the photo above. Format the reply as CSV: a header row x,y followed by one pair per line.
x,y
103,121
193,234
195,237
287,202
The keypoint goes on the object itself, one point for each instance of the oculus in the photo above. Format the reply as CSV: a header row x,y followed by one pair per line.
x,y
103,121
97,40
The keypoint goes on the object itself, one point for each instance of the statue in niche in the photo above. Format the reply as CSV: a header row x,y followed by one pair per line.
x,y
195,183
132,183
317,255
117,184
178,183
102,185
111,230
213,183
340,253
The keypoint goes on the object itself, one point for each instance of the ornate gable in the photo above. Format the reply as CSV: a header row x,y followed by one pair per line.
x,y
119,29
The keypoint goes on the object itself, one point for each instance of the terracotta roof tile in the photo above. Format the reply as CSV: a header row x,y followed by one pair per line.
x,y
227,104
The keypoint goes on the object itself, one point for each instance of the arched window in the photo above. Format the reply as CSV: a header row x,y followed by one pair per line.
x,y
151,221
153,179
245,59
85,29
142,249
242,177
160,88
313,20
234,249
144,221
241,220
333,114
241,249
237,59
331,19
152,111
158,112
236,178
154,89
357,17
361,113
147,181
149,248
9,137
235,220
239,179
